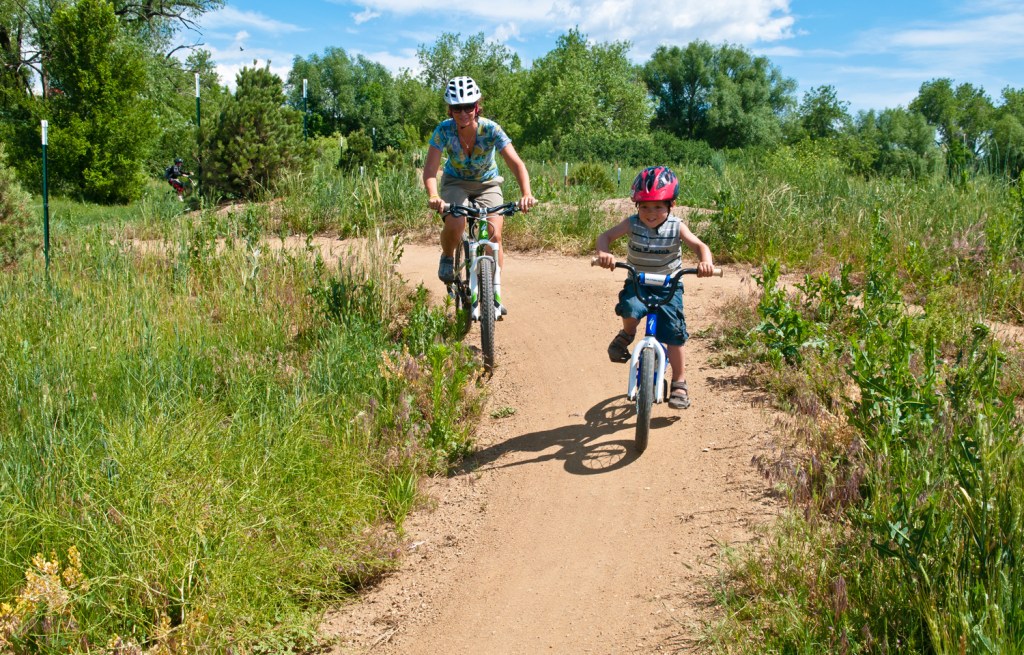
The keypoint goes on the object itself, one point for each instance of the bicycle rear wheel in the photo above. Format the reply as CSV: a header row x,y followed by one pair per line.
x,y
486,299
460,288
644,397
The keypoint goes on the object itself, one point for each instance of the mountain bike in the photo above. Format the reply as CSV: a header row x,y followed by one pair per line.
x,y
649,362
473,288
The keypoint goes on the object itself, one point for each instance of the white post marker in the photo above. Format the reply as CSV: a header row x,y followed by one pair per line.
x,y
46,129
197,85
304,81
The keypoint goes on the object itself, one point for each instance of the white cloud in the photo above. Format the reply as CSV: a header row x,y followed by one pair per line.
x,y
973,38
365,15
404,59
231,18
645,24
506,31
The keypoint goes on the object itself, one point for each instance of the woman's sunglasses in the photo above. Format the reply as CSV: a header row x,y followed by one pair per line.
x,y
461,109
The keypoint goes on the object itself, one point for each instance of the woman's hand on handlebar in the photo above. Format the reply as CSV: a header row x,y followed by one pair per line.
x,y
604,260
527,202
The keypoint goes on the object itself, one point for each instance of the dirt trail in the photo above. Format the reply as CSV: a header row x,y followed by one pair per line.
x,y
558,538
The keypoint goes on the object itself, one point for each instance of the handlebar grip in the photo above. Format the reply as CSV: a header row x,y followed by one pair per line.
x,y
718,272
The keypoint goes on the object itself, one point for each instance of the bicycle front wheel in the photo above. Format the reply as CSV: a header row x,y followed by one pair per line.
x,y
486,299
644,397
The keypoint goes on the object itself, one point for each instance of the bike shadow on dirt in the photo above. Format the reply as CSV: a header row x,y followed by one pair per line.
x,y
582,446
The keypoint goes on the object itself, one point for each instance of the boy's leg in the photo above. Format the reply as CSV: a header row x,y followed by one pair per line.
x,y
679,396
677,361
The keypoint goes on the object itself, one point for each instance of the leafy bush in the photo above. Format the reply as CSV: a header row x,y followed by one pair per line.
x,y
14,216
358,151
592,176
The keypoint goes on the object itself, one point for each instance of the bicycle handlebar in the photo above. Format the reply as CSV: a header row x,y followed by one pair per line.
x,y
507,209
669,282
655,277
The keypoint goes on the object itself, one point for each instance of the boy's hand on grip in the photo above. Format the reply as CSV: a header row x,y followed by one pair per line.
x,y
604,260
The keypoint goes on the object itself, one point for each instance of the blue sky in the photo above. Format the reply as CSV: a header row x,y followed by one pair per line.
x,y
876,53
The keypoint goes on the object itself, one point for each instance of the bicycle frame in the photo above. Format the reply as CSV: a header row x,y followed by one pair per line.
x,y
476,240
649,340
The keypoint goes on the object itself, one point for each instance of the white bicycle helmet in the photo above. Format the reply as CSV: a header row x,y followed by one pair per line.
x,y
462,91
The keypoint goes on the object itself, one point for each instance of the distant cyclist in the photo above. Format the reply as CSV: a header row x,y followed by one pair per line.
x,y
471,173
173,176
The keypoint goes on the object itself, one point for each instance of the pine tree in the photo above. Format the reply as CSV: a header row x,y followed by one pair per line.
x,y
257,138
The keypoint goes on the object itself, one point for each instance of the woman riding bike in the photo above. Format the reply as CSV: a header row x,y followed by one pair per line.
x,y
470,174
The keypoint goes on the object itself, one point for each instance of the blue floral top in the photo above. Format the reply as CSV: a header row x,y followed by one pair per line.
x,y
477,165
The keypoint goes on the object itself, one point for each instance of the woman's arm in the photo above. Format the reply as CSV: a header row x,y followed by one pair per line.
x,y
430,167
518,168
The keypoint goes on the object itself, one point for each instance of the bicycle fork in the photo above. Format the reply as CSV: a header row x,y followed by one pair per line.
x,y
660,362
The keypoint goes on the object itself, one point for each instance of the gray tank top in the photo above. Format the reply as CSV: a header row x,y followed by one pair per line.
x,y
658,250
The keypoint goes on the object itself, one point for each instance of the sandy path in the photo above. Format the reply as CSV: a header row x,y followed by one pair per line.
x,y
557,537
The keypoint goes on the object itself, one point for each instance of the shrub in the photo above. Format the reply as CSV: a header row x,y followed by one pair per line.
x,y
358,151
592,176
14,216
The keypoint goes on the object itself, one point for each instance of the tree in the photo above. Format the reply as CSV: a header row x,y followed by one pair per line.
x,y
591,89
750,96
1006,150
722,95
346,95
894,143
257,139
963,117
822,114
102,124
680,80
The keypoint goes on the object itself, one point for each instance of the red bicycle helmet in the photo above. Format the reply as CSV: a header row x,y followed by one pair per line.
x,y
655,183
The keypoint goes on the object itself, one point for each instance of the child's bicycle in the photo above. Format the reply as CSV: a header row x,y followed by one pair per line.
x,y
647,384
473,288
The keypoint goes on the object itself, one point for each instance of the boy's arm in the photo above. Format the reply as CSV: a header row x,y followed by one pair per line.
x,y
604,241
706,266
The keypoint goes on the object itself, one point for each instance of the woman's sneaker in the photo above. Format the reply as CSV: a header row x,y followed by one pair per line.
x,y
446,269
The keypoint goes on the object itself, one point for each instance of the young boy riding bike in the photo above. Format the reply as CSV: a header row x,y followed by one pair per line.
x,y
655,239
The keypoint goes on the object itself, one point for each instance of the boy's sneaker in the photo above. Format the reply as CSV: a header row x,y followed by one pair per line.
x,y
446,269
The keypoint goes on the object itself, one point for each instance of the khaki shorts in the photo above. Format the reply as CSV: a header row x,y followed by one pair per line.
x,y
466,192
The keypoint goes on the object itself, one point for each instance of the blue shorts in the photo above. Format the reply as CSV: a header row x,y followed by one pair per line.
x,y
671,329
